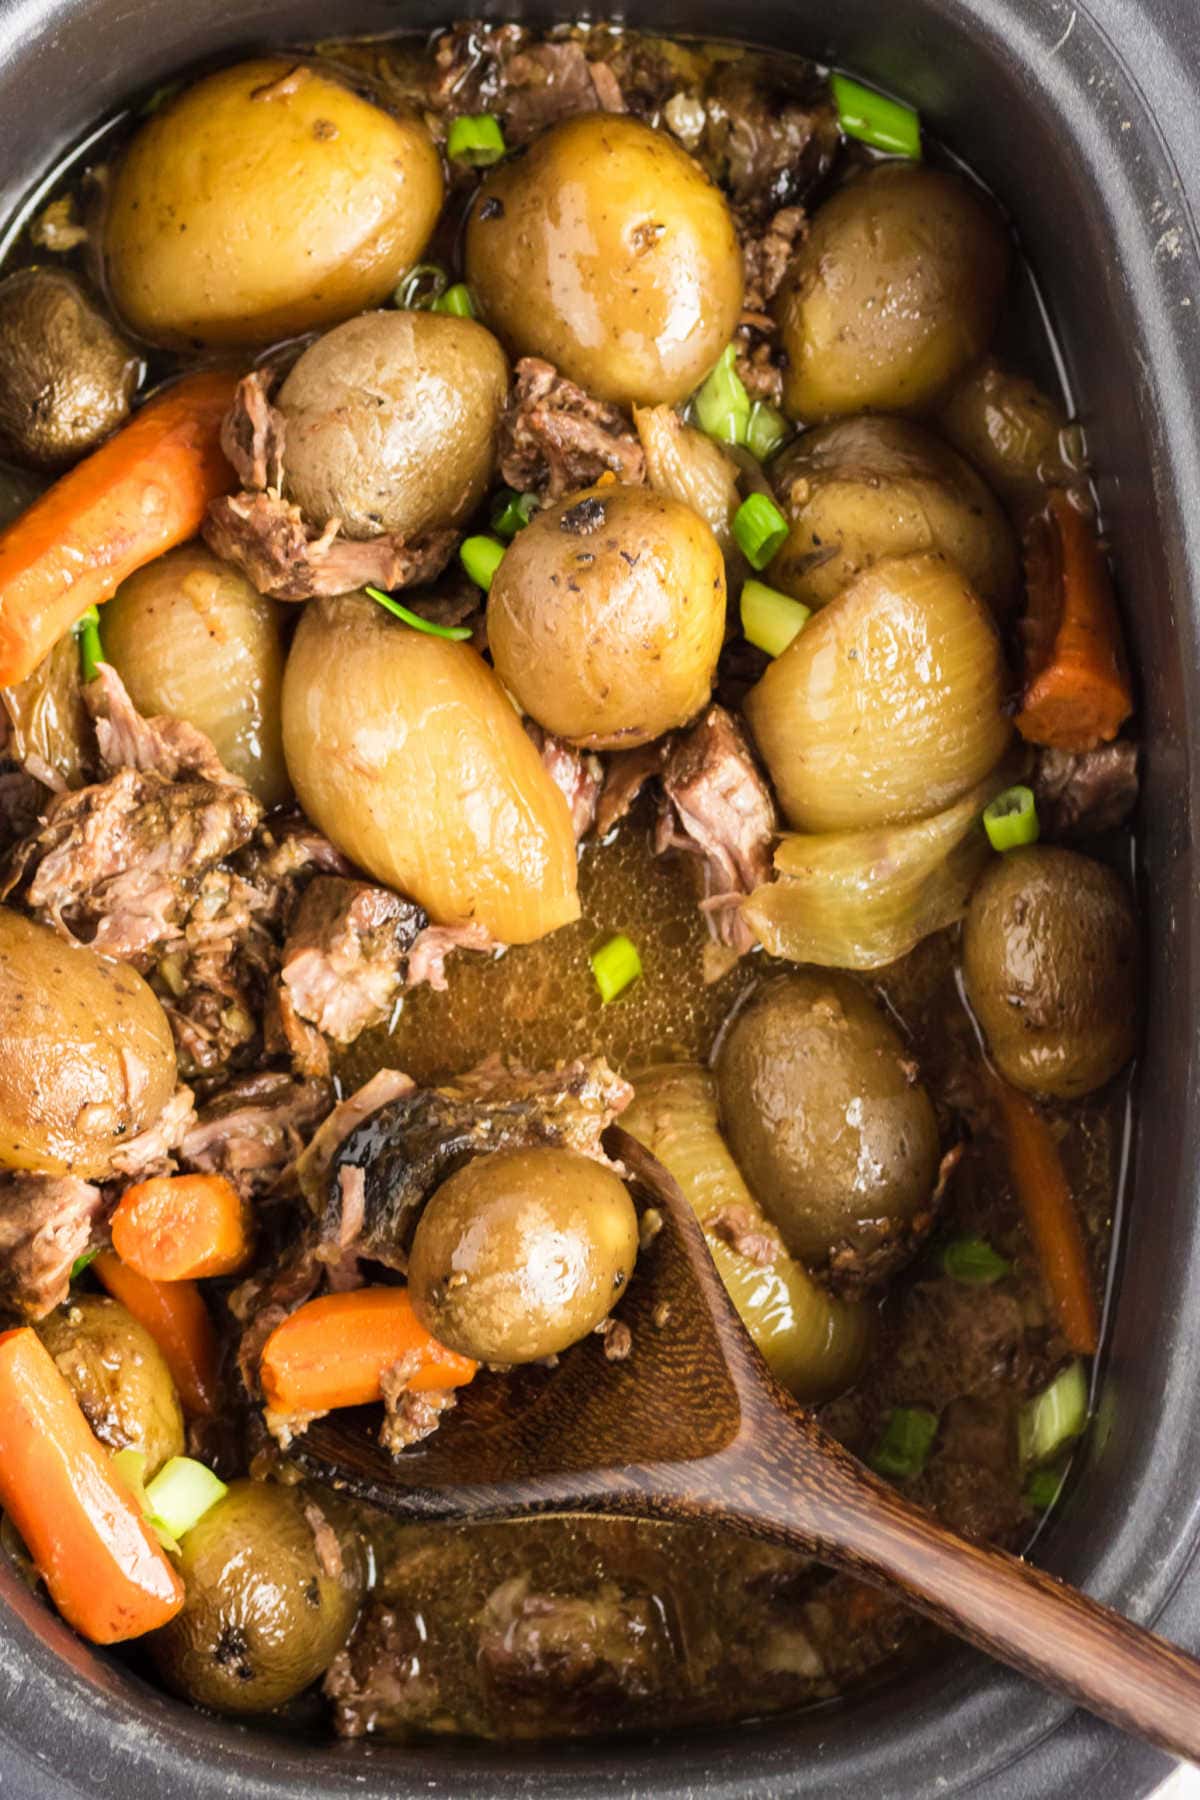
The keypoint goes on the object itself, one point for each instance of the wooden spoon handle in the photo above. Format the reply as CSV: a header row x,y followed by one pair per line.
x,y
819,1497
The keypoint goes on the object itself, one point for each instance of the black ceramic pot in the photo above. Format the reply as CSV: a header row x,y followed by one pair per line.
x,y
1084,119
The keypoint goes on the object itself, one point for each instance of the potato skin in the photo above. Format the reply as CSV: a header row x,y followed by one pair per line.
x,y
895,290
522,1253
607,250
1050,967
119,1376
392,420
405,751
835,1140
68,377
606,616
190,636
86,1055
263,1616
266,200
865,488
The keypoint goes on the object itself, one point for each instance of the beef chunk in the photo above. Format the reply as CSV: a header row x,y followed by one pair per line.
x,y
382,1681
268,539
427,958
310,1172
499,69
152,1152
555,437
46,1222
1080,794
768,145
577,774
767,250
599,1647
253,433
625,776
254,1128
162,746
408,1417
343,955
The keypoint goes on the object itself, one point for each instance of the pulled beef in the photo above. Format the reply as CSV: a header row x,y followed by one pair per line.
x,y
577,774
736,1226
625,776
267,538
343,955
767,250
253,432
407,1416
381,1681
157,746
597,1648
46,1221
500,69
554,437
310,1171
265,1300
971,1477
427,958
767,145
21,799
1081,794
152,1152
254,1128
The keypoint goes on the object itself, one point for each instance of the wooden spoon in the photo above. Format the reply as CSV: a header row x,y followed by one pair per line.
x,y
693,1425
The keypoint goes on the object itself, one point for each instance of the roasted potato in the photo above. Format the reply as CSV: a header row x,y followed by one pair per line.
x,y
835,1137
607,250
119,1376
274,1579
266,200
86,1054
191,637
405,751
894,291
1050,967
521,1253
865,488
68,378
391,422
606,616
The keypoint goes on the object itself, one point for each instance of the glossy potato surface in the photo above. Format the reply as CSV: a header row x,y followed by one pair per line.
x,y
119,1376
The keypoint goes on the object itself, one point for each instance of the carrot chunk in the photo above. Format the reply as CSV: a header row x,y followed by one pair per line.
x,y
181,1228
176,1317
334,1351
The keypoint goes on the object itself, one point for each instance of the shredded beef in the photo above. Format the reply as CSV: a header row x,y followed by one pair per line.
x,y
152,1152
618,1339
581,1649
427,958
267,538
157,746
625,776
310,1171
767,250
325,1541
265,1301
408,1417
498,69
344,951
554,437
1080,794
737,1227
577,774
253,433
767,145
254,1128
46,1221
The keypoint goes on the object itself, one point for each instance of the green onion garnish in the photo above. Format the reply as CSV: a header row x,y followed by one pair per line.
x,y
1042,1488
481,557
1055,1416
420,287
83,1262
765,430
180,1495
972,1261
456,300
457,632
91,650
874,119
760,529
511,512
721,403
476,139
907,1437
615,965
1011,819
770,619
130,1465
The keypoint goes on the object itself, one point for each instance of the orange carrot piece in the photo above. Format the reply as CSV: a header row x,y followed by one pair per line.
x,y
145,490
334,1351
181,1228
103,1565
176,1317
1077,692
1045,1196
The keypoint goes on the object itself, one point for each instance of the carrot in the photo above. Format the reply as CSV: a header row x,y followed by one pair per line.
x,y
176,1317
1077,691
181,1228
1045,1197
145,490
334,1351
103,1566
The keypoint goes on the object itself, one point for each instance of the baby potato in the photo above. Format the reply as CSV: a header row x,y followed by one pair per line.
x,y
894,291
406,752
607,250
391,422
119,1376
522,1253
86,1054
606,616
266,200
191,637
865,488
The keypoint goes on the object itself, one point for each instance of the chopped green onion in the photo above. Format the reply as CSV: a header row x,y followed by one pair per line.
x,y
760,529
771,619
908,1435
615,965
871,117
456,300
130,1465
420,287
721,403
481,557
1055,1416
765,430
457,632
83,1262
181,1493
1042,1488
972,1261
476,139
91,650
1011,819
511,512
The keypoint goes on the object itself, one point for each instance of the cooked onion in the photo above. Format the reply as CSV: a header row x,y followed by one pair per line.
x,y
814,1343
887,706
684,464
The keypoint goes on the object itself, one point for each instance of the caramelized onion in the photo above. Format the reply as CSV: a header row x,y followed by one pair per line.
x,y
686,465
